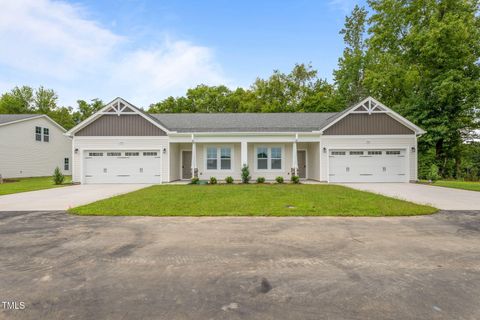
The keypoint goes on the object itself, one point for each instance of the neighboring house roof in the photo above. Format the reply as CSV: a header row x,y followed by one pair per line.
x,y
6,119
244,122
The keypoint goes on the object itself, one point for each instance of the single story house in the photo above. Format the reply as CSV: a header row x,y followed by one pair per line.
x,y
33,145
367,142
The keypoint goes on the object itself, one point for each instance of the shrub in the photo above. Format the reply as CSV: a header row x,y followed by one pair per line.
x,y
279,179
433,173
213,180
195,180
245,174
58,177
295,179
229,180
260,180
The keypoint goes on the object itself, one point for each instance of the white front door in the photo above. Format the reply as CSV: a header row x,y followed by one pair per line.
x,y
122,166
368,165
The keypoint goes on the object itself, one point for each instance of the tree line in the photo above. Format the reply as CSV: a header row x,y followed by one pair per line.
x,y
421,58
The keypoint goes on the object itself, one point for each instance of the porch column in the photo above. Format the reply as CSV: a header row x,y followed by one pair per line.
x,y
194,158
244,153
294,156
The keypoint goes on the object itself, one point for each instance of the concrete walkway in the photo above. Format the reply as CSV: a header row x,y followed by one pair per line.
x,y
438,197
63,198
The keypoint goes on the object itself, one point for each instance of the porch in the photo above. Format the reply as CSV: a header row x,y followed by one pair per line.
x,y
221,159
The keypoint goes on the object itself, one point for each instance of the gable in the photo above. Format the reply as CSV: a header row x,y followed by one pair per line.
x,y
367,124
121,125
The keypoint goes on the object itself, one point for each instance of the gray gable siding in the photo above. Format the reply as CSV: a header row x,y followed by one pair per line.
x,y
123,125
362,124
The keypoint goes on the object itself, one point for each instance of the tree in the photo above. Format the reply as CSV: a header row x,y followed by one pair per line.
x,y
18,101
424,63
86,109
349,76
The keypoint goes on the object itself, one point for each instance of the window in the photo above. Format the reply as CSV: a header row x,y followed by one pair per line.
x,y
276,158
356,153
114,154
66,164
225,159
132,154
38,133
95,154
262,158
374,153
338,153
46,135
393,152
269,158
219,158
150,154
212,158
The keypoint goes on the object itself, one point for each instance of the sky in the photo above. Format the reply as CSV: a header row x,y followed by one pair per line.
x,y
145,51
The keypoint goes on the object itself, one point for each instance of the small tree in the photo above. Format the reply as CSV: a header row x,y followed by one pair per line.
x,y
245,174
58,176
433,173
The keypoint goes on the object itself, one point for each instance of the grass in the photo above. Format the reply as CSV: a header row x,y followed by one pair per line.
x,y
457,184
251,200
29,184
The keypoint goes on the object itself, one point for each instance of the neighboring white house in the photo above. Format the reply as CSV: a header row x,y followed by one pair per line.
x,y
367,142
32,145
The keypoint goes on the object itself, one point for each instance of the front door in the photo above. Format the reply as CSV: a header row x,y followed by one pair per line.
x,y
186,164
302,164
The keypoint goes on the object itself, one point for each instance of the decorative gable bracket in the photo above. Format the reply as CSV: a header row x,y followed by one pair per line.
x,y
369,106
118,107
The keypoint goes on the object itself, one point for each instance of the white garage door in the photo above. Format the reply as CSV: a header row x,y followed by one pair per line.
x,y
368,166
120,166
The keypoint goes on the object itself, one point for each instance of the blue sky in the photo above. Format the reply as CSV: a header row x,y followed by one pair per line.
x,y
145,51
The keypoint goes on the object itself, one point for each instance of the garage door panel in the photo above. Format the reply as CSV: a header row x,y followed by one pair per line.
x,y
113,166
367,166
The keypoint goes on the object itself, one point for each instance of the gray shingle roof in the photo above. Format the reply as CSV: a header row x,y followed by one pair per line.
x,y
244,122
6,118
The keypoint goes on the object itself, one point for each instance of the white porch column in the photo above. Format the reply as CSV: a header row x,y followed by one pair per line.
x,y
194,158
294,156
244,153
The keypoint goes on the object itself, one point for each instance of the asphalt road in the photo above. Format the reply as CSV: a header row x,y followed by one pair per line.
x,y
69,267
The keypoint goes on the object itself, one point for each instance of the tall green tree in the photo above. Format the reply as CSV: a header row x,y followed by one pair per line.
x,y
19,100
425,58
349,77
86,109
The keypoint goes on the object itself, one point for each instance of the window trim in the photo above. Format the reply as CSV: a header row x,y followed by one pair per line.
x,y
66,164
39,134
269,157
46,135
219,157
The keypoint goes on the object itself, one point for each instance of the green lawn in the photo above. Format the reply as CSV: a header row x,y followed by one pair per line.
x,y
466,185
252,200
30,184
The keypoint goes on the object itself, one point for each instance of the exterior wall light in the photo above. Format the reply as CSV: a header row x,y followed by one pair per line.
x,y
76,150
164,150
413,149
324,150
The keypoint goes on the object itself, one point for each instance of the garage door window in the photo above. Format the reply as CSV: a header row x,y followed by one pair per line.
x,y
114,154
95,154
356,153
132,154
393,152
338,153
150,154
374,153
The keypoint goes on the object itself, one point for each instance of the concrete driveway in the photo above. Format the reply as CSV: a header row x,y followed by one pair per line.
x,y
63,198
438,197
70,267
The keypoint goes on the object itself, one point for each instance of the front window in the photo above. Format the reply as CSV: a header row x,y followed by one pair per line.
x,y
219,158
38,133
46,135
212,158
225,159
66,164
269,158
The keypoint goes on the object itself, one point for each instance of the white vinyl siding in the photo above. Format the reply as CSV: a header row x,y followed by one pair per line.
x,y
24,156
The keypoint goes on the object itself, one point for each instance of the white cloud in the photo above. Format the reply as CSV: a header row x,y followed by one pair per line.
x,y
55,44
